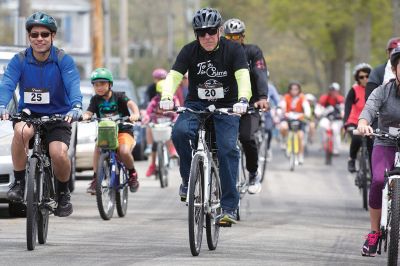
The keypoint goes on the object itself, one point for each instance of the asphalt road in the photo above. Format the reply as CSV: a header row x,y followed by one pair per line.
x,y
312,216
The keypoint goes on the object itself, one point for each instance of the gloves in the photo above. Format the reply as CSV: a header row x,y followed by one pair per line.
x,y
3,113
166,104
241,106
74,114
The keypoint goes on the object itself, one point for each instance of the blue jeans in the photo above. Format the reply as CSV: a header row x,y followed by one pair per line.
x,y
226,133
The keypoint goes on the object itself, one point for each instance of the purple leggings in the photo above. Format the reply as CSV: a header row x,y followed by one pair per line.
x,y
382,159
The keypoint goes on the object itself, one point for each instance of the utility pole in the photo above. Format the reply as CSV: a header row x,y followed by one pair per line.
x,y
123,39
107,33
24,10
98,34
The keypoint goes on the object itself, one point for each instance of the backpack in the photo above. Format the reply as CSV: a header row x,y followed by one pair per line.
x,y
60,56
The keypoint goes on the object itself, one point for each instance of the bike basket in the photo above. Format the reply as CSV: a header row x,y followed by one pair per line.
x,y
161,132
107,135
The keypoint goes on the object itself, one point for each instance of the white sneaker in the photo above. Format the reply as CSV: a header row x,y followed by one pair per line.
x,y
255,185
301,159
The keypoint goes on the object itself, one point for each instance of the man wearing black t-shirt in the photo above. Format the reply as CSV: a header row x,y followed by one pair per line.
x,y
212,62
249,123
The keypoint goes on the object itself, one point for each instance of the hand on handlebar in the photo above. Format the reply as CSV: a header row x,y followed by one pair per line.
x,y
241,106
166,104
365,129
262,104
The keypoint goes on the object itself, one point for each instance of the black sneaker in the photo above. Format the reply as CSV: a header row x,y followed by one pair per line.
x,y
370,246
16,192
64,207
351,166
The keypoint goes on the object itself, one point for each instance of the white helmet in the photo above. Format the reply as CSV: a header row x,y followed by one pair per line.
x,y
334,86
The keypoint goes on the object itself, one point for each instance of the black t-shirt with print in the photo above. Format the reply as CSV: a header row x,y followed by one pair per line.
x,y
208,69
116,105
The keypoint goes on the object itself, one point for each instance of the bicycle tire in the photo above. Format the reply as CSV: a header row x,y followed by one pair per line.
x,y
328,150
243,179
212,226
43,213
292,155
105,191
393,232
162,171
262,157
31,204
196,208
363,178
121,197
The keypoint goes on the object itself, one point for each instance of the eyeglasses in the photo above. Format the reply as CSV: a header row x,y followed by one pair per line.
x,y
234,37
209,31
43,34
363,77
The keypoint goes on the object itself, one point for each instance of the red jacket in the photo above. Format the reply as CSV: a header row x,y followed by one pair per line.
x,y
358,104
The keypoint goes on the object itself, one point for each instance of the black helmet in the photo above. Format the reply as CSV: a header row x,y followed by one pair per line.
x,y
394,57
206,18
41,19
234,26
361,67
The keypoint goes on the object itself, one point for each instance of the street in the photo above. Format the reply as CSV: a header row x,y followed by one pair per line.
x,y
312,216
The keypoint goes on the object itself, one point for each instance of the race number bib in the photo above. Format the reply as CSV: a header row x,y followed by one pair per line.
x,y
211,90
36,96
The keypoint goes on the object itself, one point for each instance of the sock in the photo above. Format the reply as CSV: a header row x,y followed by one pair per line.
x,y
62,186
19,176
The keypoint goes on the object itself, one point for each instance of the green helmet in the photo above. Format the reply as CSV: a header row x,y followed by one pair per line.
x,y
101,74
41,19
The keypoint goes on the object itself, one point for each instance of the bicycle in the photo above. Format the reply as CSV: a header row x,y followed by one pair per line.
x,y
204,192
40,191
293,141
331,113
161,134
390,217
112,174
242,180
262,144
363,174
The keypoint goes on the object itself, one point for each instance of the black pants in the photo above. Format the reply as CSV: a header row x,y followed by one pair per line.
x,y
249,124
356,142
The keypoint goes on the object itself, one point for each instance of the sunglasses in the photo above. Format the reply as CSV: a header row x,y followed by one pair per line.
x,y
43,34
234,37
209,31
363,77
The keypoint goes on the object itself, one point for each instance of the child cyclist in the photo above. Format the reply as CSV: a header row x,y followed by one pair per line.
x,y
108,103
155,115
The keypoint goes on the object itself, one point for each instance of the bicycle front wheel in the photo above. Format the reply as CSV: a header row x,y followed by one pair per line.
x,y
393,229
196,208
105,191
43,213
212,226
31,203
162,171
121,196
292,155
262,156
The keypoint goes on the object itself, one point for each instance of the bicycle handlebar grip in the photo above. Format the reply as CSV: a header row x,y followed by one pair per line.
x,y
357,133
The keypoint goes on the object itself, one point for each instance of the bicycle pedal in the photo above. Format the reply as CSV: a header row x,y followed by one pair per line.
x,y
225,224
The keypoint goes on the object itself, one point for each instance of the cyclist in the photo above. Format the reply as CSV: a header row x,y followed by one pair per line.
x,y
355,102
108,103
295,106
331,103
155,115
385,100
221,66
48,85
249,123
158,74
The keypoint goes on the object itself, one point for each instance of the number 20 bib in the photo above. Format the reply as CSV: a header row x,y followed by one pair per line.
x,y
36,96
211,90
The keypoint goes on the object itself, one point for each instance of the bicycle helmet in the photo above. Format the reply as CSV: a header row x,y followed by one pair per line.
x,y
101,74
395,56
41,19
159,73
311,98
206,18
334,86
393,43
361,67
234,26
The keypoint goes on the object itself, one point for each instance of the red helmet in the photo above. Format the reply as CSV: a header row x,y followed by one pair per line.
x,y
159,73
393,43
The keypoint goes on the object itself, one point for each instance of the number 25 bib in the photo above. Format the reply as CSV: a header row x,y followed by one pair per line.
x,y
36,96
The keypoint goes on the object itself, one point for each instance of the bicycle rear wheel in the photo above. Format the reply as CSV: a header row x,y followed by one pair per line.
x,y
196,208
32,204
393,228
262,156
212,226
162,171
43,213
121,197
105,191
